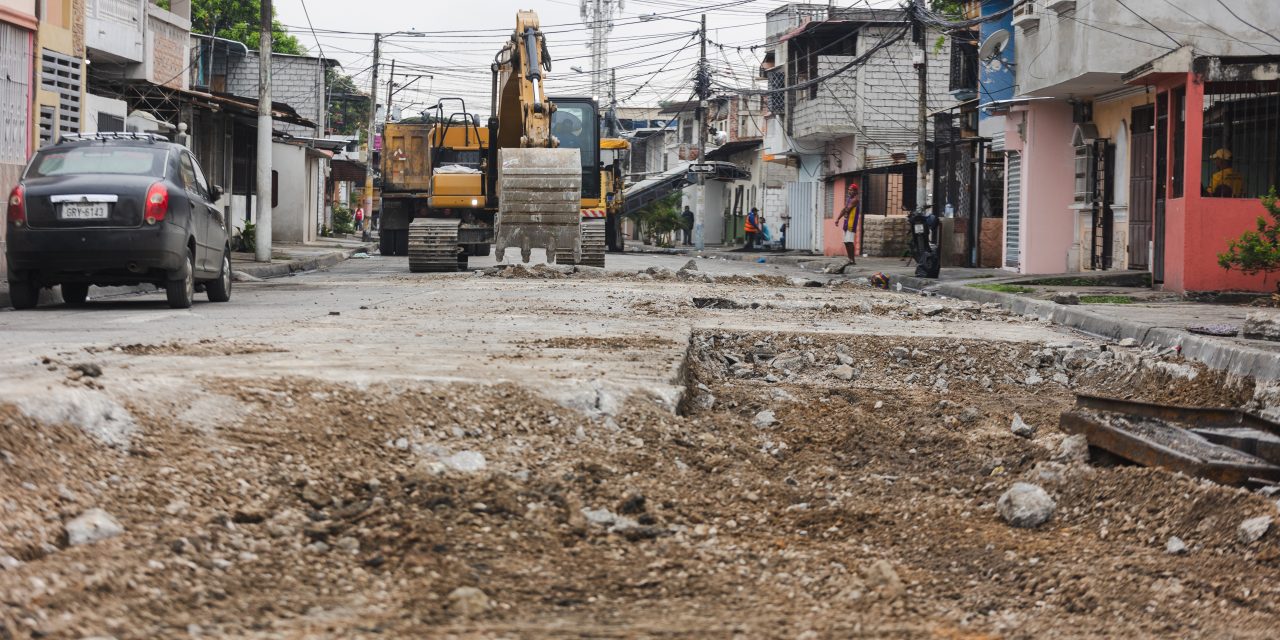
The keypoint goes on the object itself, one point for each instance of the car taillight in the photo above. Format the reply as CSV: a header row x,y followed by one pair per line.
x,y
17,208
157,203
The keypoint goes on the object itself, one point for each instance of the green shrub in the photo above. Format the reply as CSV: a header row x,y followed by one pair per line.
x,y
249,237
1257,251
343,220
1003,288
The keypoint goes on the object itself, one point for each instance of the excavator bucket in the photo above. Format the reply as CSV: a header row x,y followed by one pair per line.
x,y
539,194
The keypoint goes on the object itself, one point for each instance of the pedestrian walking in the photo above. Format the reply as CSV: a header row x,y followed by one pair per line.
x,y
849,221
359,219
752,228
687,217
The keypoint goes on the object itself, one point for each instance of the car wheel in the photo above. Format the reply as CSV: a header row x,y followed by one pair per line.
x,y
24,295
74,293
182,291
220,290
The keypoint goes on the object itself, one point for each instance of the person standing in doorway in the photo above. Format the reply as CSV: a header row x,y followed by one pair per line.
x,y
687,217
849,220
752,228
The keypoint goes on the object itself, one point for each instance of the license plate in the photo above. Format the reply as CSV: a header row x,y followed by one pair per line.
x,y
919,228
84,211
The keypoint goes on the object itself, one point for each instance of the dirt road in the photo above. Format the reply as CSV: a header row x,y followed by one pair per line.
x,y
367,453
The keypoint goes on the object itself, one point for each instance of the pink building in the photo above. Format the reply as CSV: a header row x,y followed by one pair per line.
x,y
1217,133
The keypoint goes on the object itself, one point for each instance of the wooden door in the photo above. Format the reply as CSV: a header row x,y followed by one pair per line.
x,y
1141,186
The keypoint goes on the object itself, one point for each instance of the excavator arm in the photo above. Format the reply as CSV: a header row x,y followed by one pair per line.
x,y
520,102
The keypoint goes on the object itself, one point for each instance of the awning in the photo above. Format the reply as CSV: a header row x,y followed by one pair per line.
x,y
346,171
165,101
729,148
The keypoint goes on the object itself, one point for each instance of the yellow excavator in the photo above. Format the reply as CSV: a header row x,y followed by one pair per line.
x,y
534,166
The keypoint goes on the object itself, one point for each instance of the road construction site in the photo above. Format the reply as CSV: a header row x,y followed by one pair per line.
x,y
667,448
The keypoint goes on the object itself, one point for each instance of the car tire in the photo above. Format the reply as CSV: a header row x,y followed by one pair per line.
x,y
220,290
74,294
23,295
182,291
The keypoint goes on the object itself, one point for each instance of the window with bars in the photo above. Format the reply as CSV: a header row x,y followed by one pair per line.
x,y
1084,173
61,74
1241,139
777,100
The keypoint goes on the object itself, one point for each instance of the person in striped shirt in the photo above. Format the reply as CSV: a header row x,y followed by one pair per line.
x,y
848,221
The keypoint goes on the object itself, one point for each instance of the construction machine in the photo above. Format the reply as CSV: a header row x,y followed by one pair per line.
x,y
601,201
520,182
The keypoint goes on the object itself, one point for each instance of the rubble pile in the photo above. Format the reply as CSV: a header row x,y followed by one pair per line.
x,y
808,483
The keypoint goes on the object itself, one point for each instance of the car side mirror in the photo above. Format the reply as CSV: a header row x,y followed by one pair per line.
x,y
215,193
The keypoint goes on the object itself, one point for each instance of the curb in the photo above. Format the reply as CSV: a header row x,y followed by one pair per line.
x,y
277,269
1236,359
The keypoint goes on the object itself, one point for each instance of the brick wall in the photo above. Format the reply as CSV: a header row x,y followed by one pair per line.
x,y
297,81
888,105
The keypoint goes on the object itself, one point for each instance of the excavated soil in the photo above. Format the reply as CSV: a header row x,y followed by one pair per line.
x,y
200,348
783,501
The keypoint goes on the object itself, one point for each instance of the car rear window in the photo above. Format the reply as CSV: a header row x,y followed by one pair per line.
x,y
138,161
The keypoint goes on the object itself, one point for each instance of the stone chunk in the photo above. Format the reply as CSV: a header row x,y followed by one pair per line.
x,y
1074,449
91,526
1021,429
843,372
1262,325
468,602
765,419
1026,506
1067,298
1252,530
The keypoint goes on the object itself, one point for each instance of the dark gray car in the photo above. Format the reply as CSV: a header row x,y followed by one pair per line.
x,y
111,210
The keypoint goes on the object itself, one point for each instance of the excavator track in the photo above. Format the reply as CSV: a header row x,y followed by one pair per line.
x,y
539,193
593,244
433,246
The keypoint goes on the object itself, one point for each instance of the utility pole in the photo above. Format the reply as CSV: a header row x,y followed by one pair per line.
x,y
373,124
262,237
704,88
391,83
922,73
612,125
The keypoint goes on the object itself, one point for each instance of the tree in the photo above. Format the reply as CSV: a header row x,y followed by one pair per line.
x,y
1257,251
238,20
348,106
659,218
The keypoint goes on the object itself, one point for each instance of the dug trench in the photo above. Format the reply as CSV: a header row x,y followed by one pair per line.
x,y
811,485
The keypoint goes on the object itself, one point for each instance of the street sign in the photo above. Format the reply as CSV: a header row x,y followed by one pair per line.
x,y
702,168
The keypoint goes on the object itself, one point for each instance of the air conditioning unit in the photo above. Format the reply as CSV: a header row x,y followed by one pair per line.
x,y
1026,17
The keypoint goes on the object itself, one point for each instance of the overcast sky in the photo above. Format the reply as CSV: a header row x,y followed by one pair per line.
x,y
463,36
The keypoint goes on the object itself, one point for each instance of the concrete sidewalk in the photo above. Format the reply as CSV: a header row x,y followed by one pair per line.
x,y
287,258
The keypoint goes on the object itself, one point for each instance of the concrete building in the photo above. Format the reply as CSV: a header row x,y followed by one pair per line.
x,y
861,118
299,175
1079,136
1216,151
18,26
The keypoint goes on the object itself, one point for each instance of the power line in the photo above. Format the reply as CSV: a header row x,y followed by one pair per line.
x,y
1250,25
1153,26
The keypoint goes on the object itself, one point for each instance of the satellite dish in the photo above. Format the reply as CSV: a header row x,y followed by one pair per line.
x,y
991,51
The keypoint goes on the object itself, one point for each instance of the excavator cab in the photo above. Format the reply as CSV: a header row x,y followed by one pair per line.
x,y
576,125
